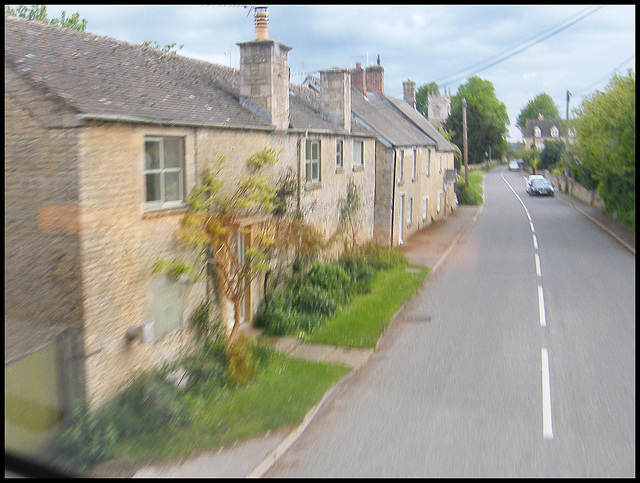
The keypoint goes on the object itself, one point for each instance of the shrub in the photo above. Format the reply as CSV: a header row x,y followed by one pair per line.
x,y
332,278
380,257
242,359
90,438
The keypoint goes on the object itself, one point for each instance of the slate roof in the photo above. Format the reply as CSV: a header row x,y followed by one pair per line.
x,y
545,126
105,78
422,123
380,115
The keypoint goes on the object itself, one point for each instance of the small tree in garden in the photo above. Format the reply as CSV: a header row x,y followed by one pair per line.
x,y
349,216
217,219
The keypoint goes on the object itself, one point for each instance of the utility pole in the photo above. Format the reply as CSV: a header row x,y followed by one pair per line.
x,y
464,130
568,96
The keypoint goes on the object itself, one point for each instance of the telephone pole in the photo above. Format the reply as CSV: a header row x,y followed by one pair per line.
x,y
464,130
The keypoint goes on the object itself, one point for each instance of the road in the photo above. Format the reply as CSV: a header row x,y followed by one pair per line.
x,y
517,359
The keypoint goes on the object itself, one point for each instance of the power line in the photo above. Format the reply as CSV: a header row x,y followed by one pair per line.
x,y
534,40
608,75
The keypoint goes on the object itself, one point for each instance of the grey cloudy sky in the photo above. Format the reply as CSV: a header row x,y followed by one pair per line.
x,y
535,49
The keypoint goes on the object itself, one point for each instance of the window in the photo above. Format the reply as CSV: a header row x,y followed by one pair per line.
x,y
555,132
164,170
358,154
425,206
410,211
339,153
439,206
415,160
537,132
312,157
428,161
401,167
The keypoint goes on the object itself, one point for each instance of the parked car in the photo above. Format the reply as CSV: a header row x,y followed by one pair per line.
x,y
540,186
514,166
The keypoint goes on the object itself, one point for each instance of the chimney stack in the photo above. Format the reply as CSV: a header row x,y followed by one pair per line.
x,y
264,74
335,96
261,22
375,78
409,90
358,79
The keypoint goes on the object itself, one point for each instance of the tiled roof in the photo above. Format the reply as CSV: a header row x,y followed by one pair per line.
x,y
545,126
380,115
422,123
107,78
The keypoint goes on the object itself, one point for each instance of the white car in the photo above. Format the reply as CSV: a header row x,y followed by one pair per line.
x,y
514,166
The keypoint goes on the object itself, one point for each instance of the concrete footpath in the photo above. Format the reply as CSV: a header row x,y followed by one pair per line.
x,y
252,458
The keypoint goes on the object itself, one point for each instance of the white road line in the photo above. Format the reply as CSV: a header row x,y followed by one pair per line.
x,y
543,320
547,428
538,272
535,241
533,230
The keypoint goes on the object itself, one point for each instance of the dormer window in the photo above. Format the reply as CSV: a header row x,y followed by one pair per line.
x,y
537,132
555,132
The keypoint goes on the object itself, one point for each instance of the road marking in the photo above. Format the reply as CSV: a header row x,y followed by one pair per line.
x,y
543,320
535,241
547,429
538,272
533,230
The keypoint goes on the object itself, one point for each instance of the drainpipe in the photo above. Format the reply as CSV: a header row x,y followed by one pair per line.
x,y
302,145
393,196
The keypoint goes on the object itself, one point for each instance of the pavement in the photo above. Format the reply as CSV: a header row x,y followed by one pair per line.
x,y
252,458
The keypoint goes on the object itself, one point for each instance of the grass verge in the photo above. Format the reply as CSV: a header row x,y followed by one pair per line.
x,y
361,323
277,398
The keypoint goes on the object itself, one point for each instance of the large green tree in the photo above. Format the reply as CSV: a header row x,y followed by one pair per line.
x,y
605,127
39,12
541,104
487,120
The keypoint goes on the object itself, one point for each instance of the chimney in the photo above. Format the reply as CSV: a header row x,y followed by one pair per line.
x,y
264,74
335,96
409,90
261,22
375,78
358,79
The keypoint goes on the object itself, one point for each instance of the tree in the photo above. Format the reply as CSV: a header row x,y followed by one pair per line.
x,y
422,97
487,120
605,127
551,154
482,134
541,104
39,12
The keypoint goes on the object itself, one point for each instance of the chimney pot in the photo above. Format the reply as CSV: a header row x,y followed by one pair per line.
x,y
261,21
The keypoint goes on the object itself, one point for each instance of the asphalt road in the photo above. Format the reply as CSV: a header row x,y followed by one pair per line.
x,y
516,359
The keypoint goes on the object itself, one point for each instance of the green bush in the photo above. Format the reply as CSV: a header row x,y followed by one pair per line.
x,y
242,359
89,439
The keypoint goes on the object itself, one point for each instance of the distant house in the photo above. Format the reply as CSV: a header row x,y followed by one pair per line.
x,y
538,131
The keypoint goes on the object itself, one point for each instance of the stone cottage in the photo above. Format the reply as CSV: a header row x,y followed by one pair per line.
x,y
103,142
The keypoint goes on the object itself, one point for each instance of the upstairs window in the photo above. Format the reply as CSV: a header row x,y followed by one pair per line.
x,y
339,153
401,167
414,169
428,161
537,132
555,132
312,160
164,170
358,154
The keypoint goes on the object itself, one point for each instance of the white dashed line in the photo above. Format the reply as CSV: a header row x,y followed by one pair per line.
x,y
547,427
543,319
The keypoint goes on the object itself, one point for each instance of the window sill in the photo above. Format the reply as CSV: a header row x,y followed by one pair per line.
x,y
358,168
151,211
339,170
313,186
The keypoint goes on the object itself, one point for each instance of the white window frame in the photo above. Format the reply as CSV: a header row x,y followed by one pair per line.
x,y
555,132
428,161
410,211
162,172
311,161
425,207
537,132
401,167
439,205
339,153
414,168
358,157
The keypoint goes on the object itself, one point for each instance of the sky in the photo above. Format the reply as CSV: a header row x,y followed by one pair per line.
x,y
523,50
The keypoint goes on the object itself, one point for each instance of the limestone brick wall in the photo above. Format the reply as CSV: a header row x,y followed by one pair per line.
x,y
385,180
120,242
42,280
